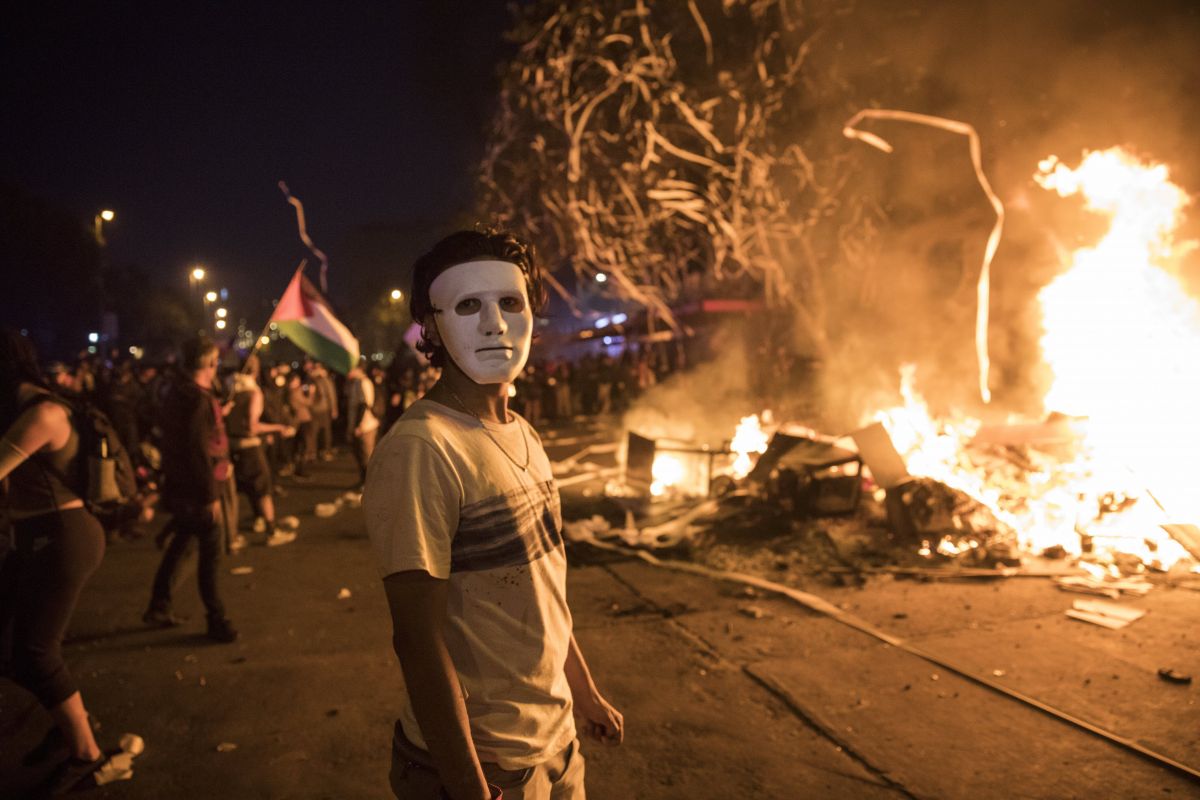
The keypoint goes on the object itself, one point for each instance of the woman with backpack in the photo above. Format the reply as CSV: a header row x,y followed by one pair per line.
x,y
58,545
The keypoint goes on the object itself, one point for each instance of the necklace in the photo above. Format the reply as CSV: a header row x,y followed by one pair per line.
x,y
523,467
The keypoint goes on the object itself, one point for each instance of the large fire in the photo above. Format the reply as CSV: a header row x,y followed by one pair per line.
x,y
1122,339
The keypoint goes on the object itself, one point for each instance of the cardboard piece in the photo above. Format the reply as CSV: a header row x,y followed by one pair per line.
x,y
1101,612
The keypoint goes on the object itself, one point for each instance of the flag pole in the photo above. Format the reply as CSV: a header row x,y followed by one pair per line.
x,y
267,327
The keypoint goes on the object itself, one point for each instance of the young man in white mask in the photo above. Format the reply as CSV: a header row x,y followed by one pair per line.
x,y
464,516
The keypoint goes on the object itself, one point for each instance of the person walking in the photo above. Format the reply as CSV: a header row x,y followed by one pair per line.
x,y
58,545
299,400
465,520
324,409
361,422
196,468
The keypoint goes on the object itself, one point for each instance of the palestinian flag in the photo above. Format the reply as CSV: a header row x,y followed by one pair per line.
x,y
304,316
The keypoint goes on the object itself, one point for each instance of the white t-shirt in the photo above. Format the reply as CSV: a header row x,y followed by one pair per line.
x,y
441,496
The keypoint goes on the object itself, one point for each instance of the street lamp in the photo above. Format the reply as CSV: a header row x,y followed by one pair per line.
x,y
222,313
198,274
105,215
210,296
397,294
220,324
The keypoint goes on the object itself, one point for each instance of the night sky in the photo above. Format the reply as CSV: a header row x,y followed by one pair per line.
x,y
182,117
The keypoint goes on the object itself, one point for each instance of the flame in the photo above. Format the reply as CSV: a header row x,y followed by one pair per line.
x,y
1122,340
748,438
668,470
1122,337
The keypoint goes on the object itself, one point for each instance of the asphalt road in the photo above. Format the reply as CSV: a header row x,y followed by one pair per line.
x,y
726,693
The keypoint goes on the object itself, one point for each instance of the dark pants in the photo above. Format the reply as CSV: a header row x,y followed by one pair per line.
x,y
191,523
323,433
306,443
364,445
41,580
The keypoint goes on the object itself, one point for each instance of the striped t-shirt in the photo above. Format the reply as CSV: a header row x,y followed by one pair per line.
x,y
442,496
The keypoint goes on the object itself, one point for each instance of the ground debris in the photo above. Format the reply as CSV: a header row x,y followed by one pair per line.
x,y
1171,676
1103,613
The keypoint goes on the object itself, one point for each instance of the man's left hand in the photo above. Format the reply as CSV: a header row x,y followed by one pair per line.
x,y
601,721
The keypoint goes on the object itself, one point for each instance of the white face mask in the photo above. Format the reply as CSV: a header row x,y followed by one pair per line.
x,y
483,316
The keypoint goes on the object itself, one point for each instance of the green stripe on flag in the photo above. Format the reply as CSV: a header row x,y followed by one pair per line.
x,y
324,350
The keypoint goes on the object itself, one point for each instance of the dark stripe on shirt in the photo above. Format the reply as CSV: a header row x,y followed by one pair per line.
x,y
507,530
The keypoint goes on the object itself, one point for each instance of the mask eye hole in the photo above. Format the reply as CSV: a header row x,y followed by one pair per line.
x,y
513,304
467,307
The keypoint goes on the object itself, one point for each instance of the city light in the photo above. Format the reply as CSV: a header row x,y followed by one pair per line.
x,y
220,324
222,313
397,294
198,273
602,322
211,297
93,337
619,319
107,215
264,340
601,277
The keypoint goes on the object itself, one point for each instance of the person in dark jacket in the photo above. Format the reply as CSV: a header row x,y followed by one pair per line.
x,y
196,467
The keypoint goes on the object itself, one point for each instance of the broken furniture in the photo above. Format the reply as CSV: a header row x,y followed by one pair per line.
x,y
809,477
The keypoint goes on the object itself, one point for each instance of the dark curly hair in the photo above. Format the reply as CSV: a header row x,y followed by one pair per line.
x,y
460,247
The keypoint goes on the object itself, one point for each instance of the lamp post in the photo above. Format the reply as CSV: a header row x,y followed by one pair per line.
x,y
105,215
195,277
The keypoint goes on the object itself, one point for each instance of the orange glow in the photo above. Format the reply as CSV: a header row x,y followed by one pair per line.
x,y
1122,340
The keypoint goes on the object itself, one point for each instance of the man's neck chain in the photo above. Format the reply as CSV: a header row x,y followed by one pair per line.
x,y
524,438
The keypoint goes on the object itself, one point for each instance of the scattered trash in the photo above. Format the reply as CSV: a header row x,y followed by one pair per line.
x,y
1104,614
1113,589
1171,676
241,570
226,747
754,612
999,673
190,658
343,594
119,766
326,510
333,712
935,677
581,530
178,675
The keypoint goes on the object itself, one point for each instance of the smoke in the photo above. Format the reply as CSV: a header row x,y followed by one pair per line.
x,y
901,255
1034,79
703,404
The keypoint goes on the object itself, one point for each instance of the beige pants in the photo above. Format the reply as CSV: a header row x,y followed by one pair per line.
x,y
557,778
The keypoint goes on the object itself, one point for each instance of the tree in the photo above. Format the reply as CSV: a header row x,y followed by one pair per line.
x,y
665,145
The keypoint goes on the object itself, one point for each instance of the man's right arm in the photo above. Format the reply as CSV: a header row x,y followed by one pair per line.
x,y
418,604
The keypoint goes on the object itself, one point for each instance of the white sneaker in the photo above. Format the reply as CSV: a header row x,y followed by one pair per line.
x,y
290,522
260,525
280,538
237,544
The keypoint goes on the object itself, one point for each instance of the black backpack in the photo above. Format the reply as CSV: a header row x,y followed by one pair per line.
x,y
103,468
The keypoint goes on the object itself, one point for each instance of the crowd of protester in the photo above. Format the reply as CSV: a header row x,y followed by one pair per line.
x,y
201,430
